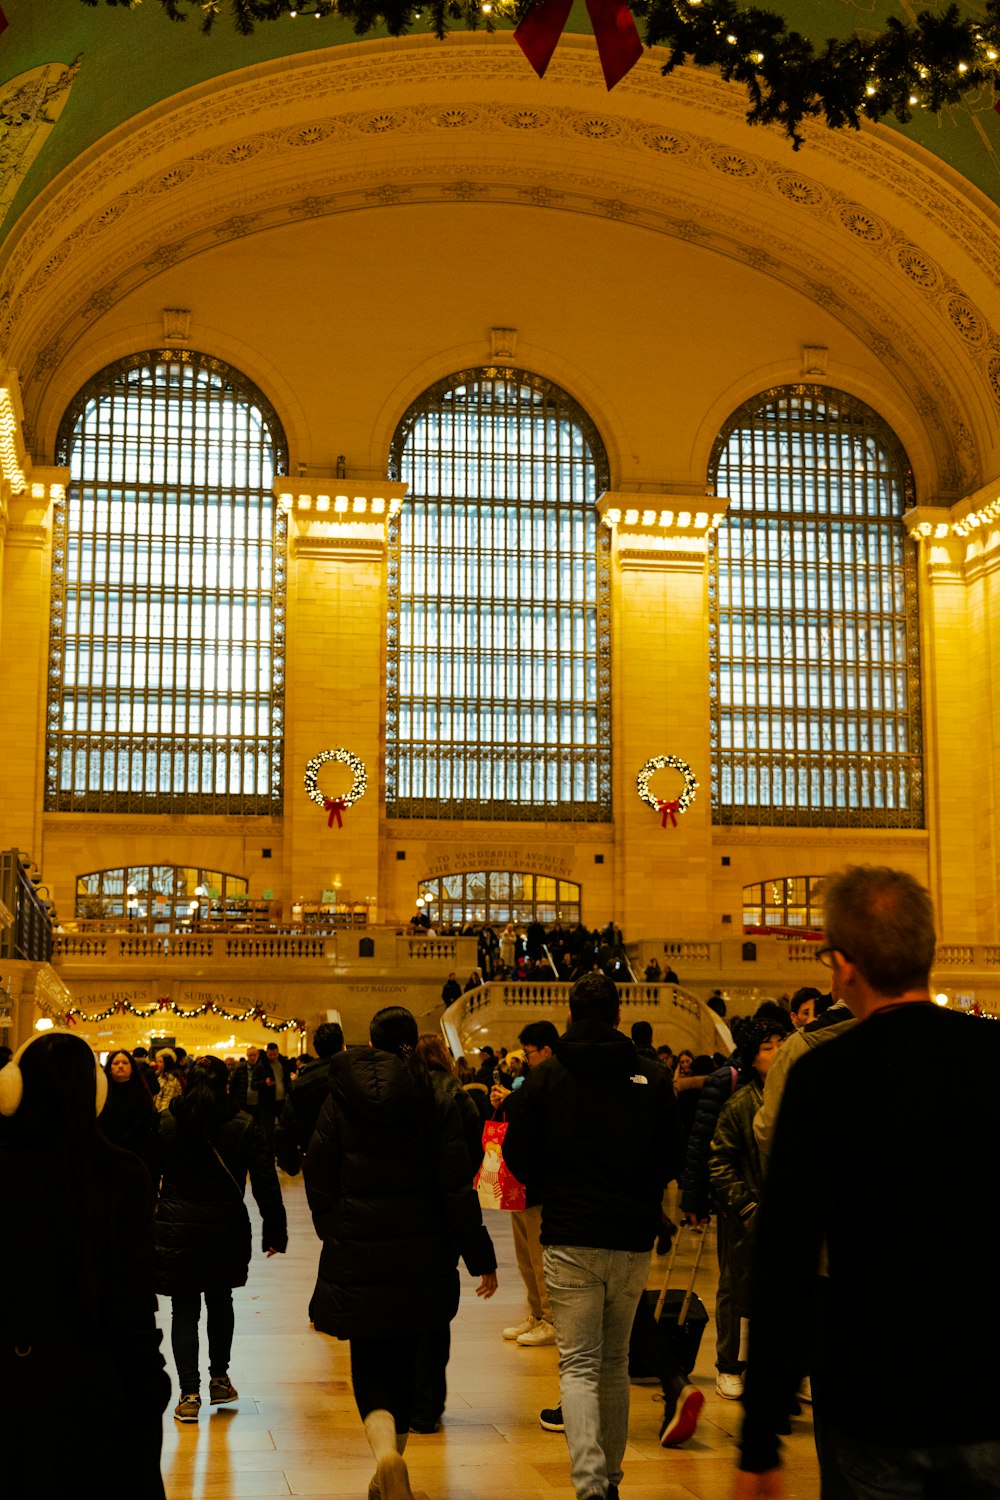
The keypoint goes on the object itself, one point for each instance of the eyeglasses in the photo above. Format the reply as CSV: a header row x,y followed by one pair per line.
x,y
825,956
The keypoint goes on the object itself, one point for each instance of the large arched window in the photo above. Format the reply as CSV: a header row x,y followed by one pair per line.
x,y
498,662
167,632
815,673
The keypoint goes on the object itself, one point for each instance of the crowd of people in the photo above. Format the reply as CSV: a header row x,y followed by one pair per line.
x,y
530,950
113,1196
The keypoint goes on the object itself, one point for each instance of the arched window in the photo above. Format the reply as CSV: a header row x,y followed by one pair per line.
x,y
498,661
159,898
167,630
480,896
815,673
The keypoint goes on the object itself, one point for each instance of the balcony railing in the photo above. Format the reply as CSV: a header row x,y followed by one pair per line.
x,y
511,1004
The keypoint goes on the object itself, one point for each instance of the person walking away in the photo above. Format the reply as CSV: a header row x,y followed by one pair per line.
x,y
596,1128
76,1263
389,1184
306,1098
905,1099
203,1238
737,1177
430,1390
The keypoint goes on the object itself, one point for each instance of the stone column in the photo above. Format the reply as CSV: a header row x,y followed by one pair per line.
x,y
25,606
960,653
334,694
661,707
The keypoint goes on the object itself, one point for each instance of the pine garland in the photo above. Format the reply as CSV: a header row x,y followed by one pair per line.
x,y
938,60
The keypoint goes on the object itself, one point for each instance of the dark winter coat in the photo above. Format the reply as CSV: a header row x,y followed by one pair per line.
x,y
389,1183
737,1184
76,1262
203,1239
594,1136
129,1120
696,1190
301,1110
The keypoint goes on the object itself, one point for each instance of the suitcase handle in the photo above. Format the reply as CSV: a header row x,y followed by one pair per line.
x,y
689,1293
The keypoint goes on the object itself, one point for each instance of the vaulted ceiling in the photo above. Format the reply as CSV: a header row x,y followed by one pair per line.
x,y
352,205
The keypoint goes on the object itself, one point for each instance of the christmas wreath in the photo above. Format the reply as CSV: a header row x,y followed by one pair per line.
x,y
335,806
668,808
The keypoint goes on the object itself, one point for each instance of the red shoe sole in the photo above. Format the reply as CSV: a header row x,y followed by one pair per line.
x,y
685,1420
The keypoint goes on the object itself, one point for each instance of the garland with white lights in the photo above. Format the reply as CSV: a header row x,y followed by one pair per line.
x,y
335,806
255,1015
936,60
668,808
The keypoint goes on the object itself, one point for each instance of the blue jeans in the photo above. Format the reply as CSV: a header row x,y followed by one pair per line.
x,y
853,1469
594,1294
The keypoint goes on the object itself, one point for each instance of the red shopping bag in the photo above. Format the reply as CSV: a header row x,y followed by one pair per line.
x,y
495,1182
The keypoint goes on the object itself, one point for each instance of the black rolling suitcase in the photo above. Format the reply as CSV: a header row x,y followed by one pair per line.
x,y
668,1325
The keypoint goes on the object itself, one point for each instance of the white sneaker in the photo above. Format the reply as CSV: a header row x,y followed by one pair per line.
x,y
730,1387
541,1333
523,1327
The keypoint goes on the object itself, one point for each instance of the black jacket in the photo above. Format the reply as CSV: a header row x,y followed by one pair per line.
x,y
873,1125
715,1092
203,1237
389,1183
264,1082
301,1110
594,1136
76,1259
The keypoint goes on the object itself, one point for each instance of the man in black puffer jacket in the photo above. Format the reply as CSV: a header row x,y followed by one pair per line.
x,y
596,1130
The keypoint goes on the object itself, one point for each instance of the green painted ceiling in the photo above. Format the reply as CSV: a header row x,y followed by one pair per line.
x,y
133,59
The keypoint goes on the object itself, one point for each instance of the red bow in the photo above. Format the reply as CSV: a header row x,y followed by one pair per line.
x,y
669,810
70,1018
618,44
334,806
164,1004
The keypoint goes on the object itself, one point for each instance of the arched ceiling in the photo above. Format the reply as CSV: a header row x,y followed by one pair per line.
x,y
880,238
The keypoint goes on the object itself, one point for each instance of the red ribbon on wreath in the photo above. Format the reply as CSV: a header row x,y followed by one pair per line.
x,y
334,806
69,1018
669,810
618,43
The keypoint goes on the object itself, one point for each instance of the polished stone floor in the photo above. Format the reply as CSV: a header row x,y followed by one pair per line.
x,y
295,1429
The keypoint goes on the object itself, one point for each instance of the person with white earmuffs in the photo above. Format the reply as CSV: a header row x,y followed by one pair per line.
x,y
76,1263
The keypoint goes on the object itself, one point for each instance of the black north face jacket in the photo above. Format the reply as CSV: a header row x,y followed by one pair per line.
x,y
595,1136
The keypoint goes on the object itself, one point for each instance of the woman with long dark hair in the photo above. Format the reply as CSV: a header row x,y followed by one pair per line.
x,y
129,1118
203,1239
76,1264
389,1184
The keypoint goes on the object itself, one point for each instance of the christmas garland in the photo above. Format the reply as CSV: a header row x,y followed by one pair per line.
x,y
937,60
255,1015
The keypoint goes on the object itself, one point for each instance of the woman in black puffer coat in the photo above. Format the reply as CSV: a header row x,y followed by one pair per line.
x,y
389,1183
203,1238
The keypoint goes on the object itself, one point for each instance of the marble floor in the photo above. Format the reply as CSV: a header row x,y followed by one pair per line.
x,y
296,1431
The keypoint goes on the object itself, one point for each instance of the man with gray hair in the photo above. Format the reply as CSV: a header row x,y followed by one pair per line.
x,y
871,1125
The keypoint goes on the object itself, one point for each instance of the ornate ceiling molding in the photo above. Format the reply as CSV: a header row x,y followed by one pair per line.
x,y
184,178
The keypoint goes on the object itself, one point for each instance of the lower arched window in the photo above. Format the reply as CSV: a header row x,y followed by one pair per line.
x,y
479,896
815,673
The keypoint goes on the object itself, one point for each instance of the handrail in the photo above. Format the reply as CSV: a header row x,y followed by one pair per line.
x,y
524,994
